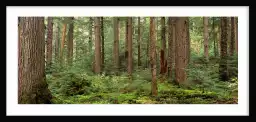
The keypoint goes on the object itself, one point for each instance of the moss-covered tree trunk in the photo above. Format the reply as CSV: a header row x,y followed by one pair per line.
x,y
33,88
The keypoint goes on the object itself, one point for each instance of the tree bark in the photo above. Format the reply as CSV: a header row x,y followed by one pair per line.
x,y
116,44
97,46
223,44
236,25
70,41
163,61
126,41
49,41
57,43
170,46
214,38
33,88
180,44
63,42
130,46
233,33
90,34
20,57
139,39
188,42
206,37
153,55
102,43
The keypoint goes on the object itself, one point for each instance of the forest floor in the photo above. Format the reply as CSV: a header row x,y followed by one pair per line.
x,y
76,87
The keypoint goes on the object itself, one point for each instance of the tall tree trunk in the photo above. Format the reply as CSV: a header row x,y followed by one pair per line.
x,y
223,44
20,56
62,42
153,55
57,43
163,38
139,39
102,43
126,41
170,46
233,33
130,46
147,44
188,42
116,44
97,46
180,57
163,61
90,34
229,36
49,41
70,41
33,86
219,37
206,37
214,38
90,43
236,25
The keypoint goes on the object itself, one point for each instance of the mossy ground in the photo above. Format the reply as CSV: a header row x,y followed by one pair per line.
x,y
167,94
83,87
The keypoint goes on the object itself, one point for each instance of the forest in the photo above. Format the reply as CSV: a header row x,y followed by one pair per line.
x,y
127,60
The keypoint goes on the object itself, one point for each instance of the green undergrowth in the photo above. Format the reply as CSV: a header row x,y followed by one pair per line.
x,y
139,92
201,87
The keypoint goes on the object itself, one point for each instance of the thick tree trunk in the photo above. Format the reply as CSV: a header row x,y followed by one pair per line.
x,y
206,37
130,46
180,42
233,33
33,88
116,44
70,41
63,42
97,46
153,55
20,57
49,41
224,38
139,39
